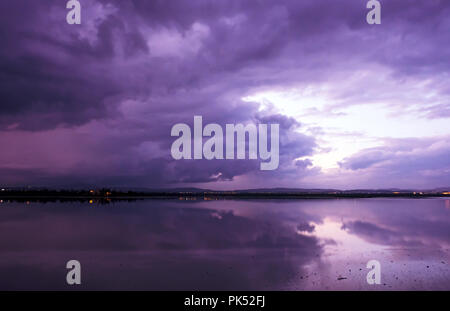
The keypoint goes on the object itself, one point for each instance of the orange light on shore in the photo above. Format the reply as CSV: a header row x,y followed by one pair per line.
x,y
446,193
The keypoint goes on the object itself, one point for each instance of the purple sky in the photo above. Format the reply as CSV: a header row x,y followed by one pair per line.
x,y
358,105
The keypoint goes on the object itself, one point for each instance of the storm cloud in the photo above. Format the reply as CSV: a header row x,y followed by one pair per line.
x,y
93,104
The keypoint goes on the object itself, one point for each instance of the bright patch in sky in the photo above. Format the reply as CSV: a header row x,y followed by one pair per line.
x,y
343,130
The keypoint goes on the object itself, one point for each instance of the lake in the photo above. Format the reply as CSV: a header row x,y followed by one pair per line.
x,y
226,244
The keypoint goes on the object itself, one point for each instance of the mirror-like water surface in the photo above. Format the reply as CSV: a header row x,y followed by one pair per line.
x,y
227,245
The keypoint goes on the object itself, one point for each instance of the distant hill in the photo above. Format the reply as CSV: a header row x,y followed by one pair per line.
x,y
193,190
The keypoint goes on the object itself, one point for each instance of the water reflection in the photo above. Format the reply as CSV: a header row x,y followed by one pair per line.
x,y
241,245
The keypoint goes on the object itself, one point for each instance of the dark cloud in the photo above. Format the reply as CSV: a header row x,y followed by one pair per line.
x,y
131,70
303,163
306,227
364,159
404,160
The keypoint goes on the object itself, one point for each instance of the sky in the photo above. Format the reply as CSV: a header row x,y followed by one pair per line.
x,y
359,105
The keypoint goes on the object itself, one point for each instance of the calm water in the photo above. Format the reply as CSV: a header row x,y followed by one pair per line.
x,y
221,245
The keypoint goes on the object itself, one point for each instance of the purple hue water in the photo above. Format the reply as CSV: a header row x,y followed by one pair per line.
x,y
227,245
